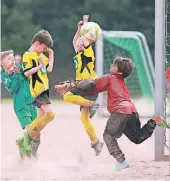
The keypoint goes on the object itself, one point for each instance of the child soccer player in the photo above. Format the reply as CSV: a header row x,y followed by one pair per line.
x,y
124,118
35,66
18,86
84,64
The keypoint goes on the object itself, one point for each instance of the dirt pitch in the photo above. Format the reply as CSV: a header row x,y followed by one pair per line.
x,y
65,152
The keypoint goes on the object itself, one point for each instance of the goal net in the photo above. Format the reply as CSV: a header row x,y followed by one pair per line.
x,y
141,81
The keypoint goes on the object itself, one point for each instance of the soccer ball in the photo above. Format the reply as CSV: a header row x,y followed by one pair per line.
x,y
91,31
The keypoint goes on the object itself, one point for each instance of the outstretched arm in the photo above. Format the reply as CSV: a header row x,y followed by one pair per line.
x,y
77,35
95,86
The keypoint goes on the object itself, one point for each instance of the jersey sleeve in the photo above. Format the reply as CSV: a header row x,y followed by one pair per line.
x,y
101,84
26,62
11,84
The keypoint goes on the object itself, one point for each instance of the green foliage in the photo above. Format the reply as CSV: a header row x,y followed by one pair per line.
x,y
22,18
17,27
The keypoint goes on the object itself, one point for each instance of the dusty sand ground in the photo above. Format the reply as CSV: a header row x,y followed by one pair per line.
x,y
65,152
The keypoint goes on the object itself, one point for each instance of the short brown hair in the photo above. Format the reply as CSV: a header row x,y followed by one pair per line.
x,y
125,65
4,54
43,37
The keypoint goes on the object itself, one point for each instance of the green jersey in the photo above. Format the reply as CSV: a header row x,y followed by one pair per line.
x,y
18,86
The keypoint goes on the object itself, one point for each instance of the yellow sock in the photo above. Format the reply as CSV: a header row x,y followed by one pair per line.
x,y
88,126
38,124
75,99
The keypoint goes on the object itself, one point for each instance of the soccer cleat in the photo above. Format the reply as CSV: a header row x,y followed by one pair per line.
x,y
119,166
97,147
93,108
34,146
27,142
160,121
22,150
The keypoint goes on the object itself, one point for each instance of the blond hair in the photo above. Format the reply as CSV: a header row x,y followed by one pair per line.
x,y
43,37
4,54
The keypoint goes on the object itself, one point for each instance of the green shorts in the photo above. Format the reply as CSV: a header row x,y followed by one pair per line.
x,y
26,115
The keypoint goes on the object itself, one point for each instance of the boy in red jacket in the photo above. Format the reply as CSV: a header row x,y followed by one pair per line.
x,y
124,118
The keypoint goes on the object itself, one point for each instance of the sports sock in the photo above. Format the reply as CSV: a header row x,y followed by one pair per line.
x,y
76,99
88,126
38,124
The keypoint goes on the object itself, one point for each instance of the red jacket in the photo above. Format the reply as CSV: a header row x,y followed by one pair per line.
x,y
118,97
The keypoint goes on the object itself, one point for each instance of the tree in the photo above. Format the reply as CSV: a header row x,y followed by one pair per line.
x,y
17,26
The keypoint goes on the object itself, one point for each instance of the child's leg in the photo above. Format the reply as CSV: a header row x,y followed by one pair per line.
x,y
82,98
134,131
114,129
36,140
37,125
88,125
77,99
96,144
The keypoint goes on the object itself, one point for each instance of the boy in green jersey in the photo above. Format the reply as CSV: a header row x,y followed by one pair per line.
x,y
18,86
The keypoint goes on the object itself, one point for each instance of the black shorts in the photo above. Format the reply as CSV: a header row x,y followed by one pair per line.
x,y
84,94
43,98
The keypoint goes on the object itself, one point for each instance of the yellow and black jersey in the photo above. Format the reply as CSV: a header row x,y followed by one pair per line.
x,y
39,80
84,64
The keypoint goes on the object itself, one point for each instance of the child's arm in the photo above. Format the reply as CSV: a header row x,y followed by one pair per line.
x,y
99,85
51,60
33,70
77,35
27,66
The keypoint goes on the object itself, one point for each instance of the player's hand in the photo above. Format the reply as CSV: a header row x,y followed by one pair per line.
x,y
50,51
85,18
13,69
62,89
80,24
16,69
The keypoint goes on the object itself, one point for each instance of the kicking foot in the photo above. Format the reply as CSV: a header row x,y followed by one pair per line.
x,y
93,108
97,147
22,150
160,121
119,166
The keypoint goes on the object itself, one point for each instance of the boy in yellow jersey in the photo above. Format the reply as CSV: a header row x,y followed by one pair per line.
x,y
84,65
36,65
